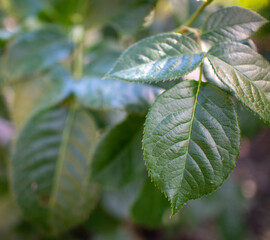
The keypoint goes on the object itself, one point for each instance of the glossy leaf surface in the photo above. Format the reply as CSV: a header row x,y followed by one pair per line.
x,y
246,73
191,141
232,23
162,57
50,168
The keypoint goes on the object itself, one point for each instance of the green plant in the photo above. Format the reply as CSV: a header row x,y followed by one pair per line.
x,y
63,157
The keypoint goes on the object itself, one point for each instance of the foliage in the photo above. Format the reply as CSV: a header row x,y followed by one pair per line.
x,y
97,114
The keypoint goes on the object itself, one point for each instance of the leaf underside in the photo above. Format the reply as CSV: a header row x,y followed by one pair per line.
x,y
162,57
50,168
191,141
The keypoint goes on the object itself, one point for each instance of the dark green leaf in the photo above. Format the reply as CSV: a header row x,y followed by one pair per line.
x,y
232,23
246,73
50,168
119,202
118,158
35,51
97,93
191,141
150,206
162,57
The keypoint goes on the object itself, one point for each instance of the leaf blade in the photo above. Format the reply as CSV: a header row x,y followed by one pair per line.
x,y
185,158
246,73
232,23
162,57
54,207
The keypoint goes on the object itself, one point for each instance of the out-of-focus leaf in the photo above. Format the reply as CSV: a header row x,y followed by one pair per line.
x,y
162,57
50,168
35,51
40,93
118,158
106,94
4,112
183,9
150,206
119,202
191,141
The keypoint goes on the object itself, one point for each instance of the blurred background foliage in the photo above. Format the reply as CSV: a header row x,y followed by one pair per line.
x,y
36,43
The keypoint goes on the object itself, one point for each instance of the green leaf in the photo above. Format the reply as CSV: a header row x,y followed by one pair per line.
x,y
50,168
232,23
191,141
97,93
184,9
118,158
137,13
150,206
35,51
246,73
166,56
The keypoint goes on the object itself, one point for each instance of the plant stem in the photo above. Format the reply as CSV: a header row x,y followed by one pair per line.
x,y
78,53
194,17
201,71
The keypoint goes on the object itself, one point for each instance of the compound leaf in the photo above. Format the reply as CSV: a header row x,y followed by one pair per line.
x,y
191,141
118,158
50,168
166,56
246,73
232,23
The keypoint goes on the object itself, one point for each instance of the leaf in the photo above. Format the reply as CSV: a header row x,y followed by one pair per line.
x,y
40,93
35,51
119,202
50,168
118,158
97,93
232,23
150,206
191,141
137,14
246,73
184,9
162,57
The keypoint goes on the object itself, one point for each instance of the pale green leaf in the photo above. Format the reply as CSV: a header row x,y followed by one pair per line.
x,y
191,141
50,168
118,158
97,93
232,23
166,56
246,73
35,51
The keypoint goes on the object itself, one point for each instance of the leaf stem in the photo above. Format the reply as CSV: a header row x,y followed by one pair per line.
x,y
77,61
200,76
183,28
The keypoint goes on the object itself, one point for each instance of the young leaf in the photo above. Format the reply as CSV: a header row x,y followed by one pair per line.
x,y
150,206
246,73
166,56
50,168
118,158
191,141
36,51
97,93
232,23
